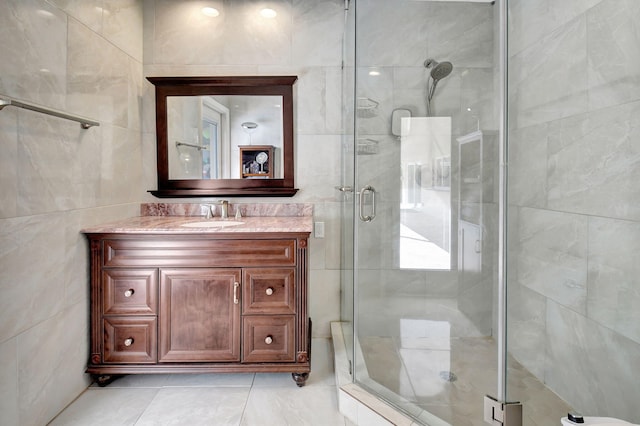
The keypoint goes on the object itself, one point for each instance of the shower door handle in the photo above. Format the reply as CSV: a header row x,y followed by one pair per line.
x,y
363,191
344,188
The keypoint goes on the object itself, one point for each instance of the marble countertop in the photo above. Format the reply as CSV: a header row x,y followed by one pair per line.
x,y
176,225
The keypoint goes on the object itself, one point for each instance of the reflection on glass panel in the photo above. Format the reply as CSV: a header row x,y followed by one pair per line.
x,y
425,228
210,166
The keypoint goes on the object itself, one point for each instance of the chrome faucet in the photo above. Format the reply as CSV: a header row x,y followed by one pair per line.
x,y
224,209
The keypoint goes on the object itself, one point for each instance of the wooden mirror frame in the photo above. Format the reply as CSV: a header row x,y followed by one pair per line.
x,y
238,85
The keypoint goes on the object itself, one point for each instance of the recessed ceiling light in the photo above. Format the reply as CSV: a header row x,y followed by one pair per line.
x,y
210,11
374,72
268,13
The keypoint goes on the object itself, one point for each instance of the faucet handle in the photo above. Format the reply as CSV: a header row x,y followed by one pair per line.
x,y
210,211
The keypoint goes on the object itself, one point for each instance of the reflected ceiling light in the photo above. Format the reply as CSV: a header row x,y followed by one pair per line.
x,y
268,13
44,13
210,11
249,126
374,73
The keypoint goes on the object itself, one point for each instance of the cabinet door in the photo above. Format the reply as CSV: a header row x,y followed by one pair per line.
x,y
199,315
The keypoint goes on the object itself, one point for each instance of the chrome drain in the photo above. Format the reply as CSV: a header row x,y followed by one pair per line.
x,y
448,376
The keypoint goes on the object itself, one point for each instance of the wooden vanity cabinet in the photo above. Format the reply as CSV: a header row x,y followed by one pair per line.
x,y
197,303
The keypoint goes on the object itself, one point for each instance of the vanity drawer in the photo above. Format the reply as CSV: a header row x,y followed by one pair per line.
x,y
147,252
130,339
268,291
130,291
268,338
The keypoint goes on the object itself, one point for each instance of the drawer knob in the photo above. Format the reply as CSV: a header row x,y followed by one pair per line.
x,y
129,292
268,340
269,291
128,342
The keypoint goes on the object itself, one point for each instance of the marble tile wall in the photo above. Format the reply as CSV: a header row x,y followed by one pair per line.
x,y
82,57
574,168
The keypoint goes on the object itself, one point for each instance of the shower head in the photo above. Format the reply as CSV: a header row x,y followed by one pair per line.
x,y
439,70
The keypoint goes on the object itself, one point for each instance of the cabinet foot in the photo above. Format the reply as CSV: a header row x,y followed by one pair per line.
x,y
300,378
103,380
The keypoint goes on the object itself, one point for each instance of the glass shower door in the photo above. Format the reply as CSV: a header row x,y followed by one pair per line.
x,y
347,210
425,200
425,299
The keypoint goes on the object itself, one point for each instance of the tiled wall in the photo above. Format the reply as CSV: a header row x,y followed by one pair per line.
x,y
83,58
574,199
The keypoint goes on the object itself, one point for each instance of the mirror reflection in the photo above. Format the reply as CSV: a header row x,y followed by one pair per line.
x,y
425,226
225,137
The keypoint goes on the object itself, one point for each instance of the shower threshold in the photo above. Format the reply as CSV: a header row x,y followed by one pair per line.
x,y
357,403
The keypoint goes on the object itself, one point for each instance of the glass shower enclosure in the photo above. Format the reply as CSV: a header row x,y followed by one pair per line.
x,y
443,245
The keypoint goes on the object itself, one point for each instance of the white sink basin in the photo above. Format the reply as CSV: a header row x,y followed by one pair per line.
x,y
212,224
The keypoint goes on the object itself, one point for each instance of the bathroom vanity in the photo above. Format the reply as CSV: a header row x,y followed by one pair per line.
x,y
186,295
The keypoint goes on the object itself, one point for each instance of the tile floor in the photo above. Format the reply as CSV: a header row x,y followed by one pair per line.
x,y
431,360
262,399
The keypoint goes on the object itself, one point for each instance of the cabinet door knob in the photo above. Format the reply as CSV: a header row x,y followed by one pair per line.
x,y
129,292
268,340
269,291
235,293
128,342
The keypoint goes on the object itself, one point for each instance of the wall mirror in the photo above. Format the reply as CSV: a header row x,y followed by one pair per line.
x,y
228,136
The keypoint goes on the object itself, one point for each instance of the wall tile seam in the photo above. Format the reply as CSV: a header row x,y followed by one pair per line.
x,y
22,331
549,33
588,216
595,322
102,36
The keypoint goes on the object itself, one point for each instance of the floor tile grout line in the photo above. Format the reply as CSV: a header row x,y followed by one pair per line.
x,y
246,401
396,348
147,407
